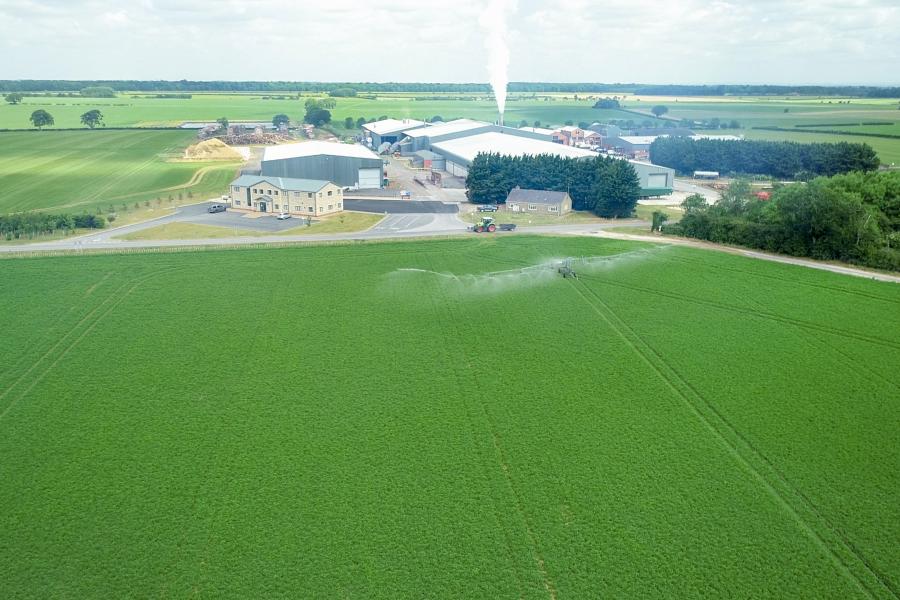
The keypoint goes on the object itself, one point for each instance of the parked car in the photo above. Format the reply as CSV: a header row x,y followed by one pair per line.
x,y
283,216
488,208
214,208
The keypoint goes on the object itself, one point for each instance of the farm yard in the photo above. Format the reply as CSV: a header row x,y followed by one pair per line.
x,y
449,416
85,170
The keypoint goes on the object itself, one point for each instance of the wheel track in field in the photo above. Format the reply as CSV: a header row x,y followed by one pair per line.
x,y
39,337
86,325
499,453
829,538
765,315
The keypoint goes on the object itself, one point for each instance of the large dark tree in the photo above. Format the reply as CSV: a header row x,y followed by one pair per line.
x,y
41,118
14,98
92,118
317,117
281,119
618,189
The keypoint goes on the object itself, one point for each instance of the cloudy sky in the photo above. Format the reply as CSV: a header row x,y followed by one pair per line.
x,y
644,41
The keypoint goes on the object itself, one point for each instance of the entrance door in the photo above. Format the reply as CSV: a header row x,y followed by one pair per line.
x,y
262,206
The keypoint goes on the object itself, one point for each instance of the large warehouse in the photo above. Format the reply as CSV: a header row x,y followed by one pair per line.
x,y
346,165
460,152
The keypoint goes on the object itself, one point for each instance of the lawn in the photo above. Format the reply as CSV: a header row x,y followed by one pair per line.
x,y
344,223
532,218
84,170
428,419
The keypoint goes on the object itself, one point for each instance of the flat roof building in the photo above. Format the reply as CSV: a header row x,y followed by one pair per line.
x,y
347,165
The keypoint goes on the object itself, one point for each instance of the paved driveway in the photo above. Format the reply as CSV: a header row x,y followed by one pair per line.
x,y
400,207
398,223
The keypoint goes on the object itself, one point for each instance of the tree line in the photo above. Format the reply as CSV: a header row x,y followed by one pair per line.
x,y
606,186
36,223
54,85
784,160
853,218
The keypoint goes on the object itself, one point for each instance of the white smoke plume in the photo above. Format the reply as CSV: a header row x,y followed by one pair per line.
x,y
493,21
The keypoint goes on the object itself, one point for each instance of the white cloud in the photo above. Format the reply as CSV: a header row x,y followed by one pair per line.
x,y
777,41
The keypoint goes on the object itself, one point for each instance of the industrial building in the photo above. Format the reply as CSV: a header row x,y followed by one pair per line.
x,y
452,146
460,152
306,197
631,145
388,131
346,165
424,137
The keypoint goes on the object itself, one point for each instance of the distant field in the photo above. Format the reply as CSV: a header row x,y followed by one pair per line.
x,y
426,419
554,109
79,170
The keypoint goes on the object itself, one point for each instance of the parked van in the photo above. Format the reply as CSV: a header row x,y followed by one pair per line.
x,y
214,208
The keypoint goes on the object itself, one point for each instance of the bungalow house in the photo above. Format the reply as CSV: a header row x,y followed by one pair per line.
x,y
544,201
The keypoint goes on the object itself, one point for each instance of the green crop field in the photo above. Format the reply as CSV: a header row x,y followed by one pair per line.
x,y
82,170
447,419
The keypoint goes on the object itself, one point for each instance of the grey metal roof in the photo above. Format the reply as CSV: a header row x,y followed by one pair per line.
x,y
282,183
536,196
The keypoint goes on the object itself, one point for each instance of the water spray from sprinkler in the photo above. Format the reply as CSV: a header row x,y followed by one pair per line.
x,y
493,21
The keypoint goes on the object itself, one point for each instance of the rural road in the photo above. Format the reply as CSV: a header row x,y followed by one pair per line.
x,y
439,221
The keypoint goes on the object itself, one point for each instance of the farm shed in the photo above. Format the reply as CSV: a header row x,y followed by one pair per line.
x,y
422,138
557,203
347,165
653,179
388,131
307,197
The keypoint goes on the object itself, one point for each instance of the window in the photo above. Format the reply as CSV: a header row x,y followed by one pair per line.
x,y
237,202
269,192
296,194
276,192
320,194
276,207
309,194
339,206
532,207
329,192
236,188
552,208
297,209
311,209
331,207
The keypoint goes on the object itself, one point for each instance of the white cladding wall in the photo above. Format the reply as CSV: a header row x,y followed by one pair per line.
x,y
369,178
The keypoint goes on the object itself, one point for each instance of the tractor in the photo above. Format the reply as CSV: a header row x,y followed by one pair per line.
x,y
486,224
